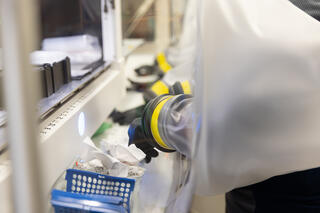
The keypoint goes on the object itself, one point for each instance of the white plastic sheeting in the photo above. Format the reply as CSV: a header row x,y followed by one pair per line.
x,y
258,93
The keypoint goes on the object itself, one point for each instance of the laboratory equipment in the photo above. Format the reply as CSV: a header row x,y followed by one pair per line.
x,y
78,107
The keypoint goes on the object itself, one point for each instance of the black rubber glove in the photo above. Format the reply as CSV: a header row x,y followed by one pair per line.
x,y
140,131
138,137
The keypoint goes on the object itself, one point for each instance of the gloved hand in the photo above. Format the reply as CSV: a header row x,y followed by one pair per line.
x,y
143,132
138,137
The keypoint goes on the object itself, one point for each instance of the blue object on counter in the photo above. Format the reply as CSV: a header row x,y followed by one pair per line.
x,y
67,202
93,183
131,131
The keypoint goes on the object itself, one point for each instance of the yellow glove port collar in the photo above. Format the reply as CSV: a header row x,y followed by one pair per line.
x,y
150,118
154,123
162,62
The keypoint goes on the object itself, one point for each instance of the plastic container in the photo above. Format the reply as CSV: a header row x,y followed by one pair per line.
x,y
67,202
92,183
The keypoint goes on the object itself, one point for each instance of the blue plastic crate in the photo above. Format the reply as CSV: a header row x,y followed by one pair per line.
x,y
93,183
67,202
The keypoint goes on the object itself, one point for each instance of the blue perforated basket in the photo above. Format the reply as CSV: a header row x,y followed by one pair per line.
x,y
68,202
93,183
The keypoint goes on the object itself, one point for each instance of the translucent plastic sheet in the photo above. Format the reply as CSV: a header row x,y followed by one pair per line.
x,y
257,101
184,51
182,72
176,124
258,93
